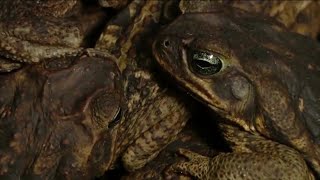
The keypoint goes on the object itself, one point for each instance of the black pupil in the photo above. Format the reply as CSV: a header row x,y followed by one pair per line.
x,y
205,63
166,43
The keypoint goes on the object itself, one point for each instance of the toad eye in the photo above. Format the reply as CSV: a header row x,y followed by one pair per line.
x,y
205,63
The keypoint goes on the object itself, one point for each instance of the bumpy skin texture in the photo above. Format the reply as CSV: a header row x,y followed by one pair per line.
x,y
267,91
301,16
71,130
298,16
113,3
195,137
32,31
153,115
57,123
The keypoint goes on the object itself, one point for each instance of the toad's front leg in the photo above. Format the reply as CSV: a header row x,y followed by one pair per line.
x,y
152,127
253,158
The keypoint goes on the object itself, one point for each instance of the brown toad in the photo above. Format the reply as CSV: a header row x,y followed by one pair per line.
x,y
55,123
261,79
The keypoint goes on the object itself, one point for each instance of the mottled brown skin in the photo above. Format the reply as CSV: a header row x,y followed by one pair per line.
x,y
266,91
153,115
196,137
301,16
32,31
117,4
57,123
298,16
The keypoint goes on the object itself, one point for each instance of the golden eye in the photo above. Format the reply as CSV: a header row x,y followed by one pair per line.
x,y
205,63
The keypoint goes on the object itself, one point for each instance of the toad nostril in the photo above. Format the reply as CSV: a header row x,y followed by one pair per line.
x,y
166,43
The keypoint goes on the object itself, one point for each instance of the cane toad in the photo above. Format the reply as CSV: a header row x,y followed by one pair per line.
x,y
54,122
261,79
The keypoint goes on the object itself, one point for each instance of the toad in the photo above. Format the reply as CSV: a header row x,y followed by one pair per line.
x,y
55,121
261,79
